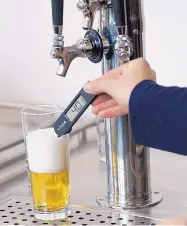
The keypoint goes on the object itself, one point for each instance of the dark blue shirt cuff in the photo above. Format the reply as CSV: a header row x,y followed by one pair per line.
x,y
158,116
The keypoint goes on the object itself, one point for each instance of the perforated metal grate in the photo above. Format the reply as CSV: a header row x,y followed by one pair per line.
x,y
20,212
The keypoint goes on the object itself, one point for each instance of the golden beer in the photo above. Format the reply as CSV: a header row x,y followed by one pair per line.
x,y
50,190
48,160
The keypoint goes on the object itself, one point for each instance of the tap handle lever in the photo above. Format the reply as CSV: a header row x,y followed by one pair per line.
x,y
89,9
128,16
57,15
119,12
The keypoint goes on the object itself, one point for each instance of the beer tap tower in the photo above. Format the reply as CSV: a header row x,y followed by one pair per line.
x,y
117,40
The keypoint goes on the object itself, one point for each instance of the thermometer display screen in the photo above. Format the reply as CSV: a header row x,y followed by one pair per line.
x,y
76,108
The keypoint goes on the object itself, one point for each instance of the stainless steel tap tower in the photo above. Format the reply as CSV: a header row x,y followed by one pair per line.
x,y
117,39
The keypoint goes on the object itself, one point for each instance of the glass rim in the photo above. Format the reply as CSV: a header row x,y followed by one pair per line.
x,y
55,109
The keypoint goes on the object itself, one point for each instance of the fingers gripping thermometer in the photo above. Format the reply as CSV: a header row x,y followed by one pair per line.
x,y
73,112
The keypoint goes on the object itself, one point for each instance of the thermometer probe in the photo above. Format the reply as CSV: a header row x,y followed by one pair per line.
x,y
73,112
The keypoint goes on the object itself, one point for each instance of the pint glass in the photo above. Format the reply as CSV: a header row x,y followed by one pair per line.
x,y
47,158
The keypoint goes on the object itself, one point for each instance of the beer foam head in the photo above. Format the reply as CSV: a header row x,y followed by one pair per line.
x,y
46,152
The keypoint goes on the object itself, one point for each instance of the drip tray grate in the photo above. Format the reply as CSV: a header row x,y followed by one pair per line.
x,y
16,211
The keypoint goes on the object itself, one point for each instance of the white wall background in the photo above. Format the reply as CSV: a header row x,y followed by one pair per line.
x,y
28,74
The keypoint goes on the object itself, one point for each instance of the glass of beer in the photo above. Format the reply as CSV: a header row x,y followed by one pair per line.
x,y
47,158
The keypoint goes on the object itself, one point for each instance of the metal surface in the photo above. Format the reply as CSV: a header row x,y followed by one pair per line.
x,y
128,172
84,47
18,211
67,54
123,48
89,9
168,177
91,47
118,40
10,129
15,199
87,184
106,202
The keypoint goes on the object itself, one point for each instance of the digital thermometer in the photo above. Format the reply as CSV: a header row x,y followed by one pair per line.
x,y
73,112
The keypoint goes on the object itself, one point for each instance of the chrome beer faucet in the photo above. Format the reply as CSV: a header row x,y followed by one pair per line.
x,y
117,40
92,46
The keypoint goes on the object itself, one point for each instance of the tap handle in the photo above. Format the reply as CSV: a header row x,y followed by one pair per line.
x,y
57,12
136,15
119,12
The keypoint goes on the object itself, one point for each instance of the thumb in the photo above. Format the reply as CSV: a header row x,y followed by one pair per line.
x,y
100,85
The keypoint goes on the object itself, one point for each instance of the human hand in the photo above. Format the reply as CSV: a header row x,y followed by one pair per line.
x,y
115,87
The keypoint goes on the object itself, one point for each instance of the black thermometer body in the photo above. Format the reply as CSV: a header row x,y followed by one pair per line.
x,y
73,112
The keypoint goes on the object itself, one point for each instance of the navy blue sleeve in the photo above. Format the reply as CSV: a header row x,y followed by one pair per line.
x,y
158,116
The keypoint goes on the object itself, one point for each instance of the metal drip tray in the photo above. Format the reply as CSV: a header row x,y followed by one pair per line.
x,y
19,211
86,185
